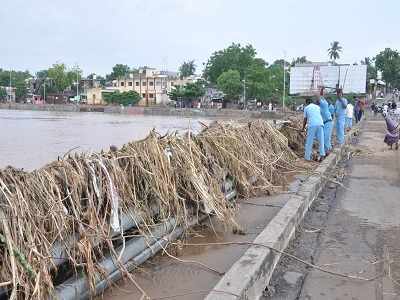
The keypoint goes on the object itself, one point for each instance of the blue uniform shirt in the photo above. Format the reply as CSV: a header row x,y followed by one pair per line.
x,y
331,109
324,107
313,115
339,109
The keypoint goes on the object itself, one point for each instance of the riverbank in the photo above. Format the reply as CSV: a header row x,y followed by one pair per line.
x,y
154,110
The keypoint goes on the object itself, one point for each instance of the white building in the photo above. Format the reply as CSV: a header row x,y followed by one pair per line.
x,y
153,85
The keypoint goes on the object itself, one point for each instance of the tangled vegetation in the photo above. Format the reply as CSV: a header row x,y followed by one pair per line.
x,y
84,195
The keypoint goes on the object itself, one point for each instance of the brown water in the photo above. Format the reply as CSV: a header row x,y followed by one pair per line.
x,y
163,277
30,139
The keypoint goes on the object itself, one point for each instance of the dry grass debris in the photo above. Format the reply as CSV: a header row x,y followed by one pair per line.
x,y
84,195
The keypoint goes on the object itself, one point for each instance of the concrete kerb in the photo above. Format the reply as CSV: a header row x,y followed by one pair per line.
x,y
248,276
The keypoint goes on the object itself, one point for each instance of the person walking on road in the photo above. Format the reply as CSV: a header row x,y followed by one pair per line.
x,y
357,110
392,136
340,111
315,129
328,123
349,116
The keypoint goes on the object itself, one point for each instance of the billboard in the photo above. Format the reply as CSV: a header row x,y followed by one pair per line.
x,y
305,79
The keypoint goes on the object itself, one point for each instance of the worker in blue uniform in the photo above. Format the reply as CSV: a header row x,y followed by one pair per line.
x,y
340,111
327,119
315,129
331,108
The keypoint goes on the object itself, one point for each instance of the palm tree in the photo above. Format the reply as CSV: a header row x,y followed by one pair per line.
x,y
187,68
334,50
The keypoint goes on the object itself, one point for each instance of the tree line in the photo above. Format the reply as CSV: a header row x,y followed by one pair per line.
x,y
231,70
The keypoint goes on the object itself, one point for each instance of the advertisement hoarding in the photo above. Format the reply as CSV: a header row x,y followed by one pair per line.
x,y
351,78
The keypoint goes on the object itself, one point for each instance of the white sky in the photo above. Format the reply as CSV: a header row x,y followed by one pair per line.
x,y
97,34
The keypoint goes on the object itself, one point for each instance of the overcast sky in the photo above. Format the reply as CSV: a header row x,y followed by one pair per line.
x,y
97,34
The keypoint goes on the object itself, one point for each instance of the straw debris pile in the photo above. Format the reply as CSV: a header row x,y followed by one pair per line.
x,y
84,195
293,131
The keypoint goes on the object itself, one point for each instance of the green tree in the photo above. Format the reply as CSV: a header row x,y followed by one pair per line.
x,y
371,70
235,57
334,51
42,78
190,91
60,77
187,68
177,93
18,80
388,61
194,91
124,98
258,80
281,62
118,71
300,60
3,94
230,83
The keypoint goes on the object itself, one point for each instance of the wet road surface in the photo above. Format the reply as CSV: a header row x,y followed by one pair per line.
x,y
353,230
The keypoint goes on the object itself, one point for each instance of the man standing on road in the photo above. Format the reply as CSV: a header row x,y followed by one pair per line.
x,y
340,110
327,119
315,129
357,110
349,116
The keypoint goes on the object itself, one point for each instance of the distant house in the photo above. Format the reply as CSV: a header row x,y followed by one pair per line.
x,y
59,98
151,84
94,96
10,93
34,99
213,98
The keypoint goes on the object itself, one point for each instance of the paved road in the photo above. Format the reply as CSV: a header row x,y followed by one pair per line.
x,y
361,234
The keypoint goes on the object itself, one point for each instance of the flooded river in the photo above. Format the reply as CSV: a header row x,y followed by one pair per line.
x,y
30,139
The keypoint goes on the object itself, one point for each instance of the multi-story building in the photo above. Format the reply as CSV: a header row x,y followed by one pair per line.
x,y
151,84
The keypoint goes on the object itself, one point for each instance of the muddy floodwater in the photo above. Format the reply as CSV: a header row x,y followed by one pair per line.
x,y
30,139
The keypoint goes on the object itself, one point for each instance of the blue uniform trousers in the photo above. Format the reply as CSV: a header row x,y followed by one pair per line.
x,y
328,127
340,123
314,132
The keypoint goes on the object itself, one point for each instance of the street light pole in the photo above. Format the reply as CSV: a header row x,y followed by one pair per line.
x,y
284,86
244,94
9,88
284,82
44,92
77,83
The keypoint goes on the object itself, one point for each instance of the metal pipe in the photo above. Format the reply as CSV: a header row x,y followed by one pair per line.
x,y
75,287
77,290
136,252
140,259
128,221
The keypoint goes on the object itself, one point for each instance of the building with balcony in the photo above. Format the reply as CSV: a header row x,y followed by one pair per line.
x,y
151,84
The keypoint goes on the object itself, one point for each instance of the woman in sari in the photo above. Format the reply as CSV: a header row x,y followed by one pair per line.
x,y
392,136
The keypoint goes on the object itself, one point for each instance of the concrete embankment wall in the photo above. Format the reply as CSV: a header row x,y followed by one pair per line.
x,y
137,110
45,107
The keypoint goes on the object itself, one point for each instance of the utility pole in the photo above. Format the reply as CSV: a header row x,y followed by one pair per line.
x,y
244,94
44,92
284,81
9,88
77,83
